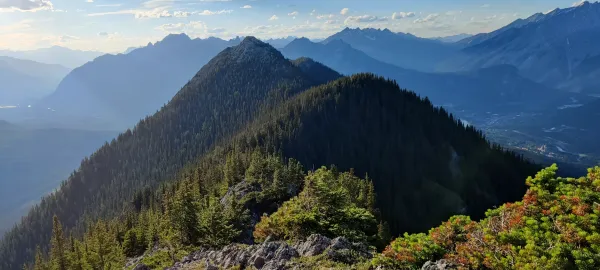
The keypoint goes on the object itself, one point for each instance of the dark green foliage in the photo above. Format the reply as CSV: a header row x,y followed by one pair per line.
x,y
329,205
221,99
425,164
58,256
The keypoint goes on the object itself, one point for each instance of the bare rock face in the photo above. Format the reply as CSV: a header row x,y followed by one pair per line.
x,y
141,266
275,255
439,265
314,245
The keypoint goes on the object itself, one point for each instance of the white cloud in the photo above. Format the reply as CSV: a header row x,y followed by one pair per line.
x,y
109,5
344,11
295,13
453,12
157,3
207,12
160,13
364,19
246,6
308,29
430,18
171,27
181,14
401,15
155,13
138,14
90,1
325,16
274,18
192,29
67,38
313,12
485,6
25,5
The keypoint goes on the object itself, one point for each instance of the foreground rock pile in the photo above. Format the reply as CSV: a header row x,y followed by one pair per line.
x,y
274,255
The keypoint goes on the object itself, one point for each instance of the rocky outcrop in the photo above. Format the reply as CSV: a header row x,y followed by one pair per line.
x,y
439,265
275,255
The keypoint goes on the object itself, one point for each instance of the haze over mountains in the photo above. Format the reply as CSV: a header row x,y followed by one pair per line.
x,y
497,89
243,94
55,55
548,48
392,48
187,108
121,89
24,81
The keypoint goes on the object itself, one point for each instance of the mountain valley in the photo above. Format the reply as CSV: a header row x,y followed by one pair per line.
x,y
366,148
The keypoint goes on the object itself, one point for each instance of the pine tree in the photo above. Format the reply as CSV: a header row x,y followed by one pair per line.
x,y
58,256
233,170
39,264
216,228
130,245
185,214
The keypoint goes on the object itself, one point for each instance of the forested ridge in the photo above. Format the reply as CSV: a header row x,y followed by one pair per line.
x,y
223,96
363,124
370,125
409,166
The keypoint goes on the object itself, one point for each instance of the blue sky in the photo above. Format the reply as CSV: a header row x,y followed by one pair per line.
x,y
114,25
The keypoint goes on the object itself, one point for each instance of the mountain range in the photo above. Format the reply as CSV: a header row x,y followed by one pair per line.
x,y
55,55
240,118
389,47
24,81
546,47
250,98
105,87
496,89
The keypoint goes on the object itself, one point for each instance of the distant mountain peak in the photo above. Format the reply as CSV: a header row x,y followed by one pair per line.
x,y
175,39
250,40
252,48
582,4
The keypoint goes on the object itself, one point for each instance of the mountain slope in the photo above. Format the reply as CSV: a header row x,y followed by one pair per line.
x,y
124,88
453,38
496,89
403,50
223,96
55,55
544,47
25,81
424,163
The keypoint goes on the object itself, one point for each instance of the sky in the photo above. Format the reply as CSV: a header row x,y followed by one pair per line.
x,y
115,25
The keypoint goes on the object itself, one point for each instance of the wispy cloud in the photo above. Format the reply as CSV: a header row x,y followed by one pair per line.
x,y
325,16
160,13
181,14
364,19
274,18
109,5
139,14
402,15
430,18
25,5
246,6
218,12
